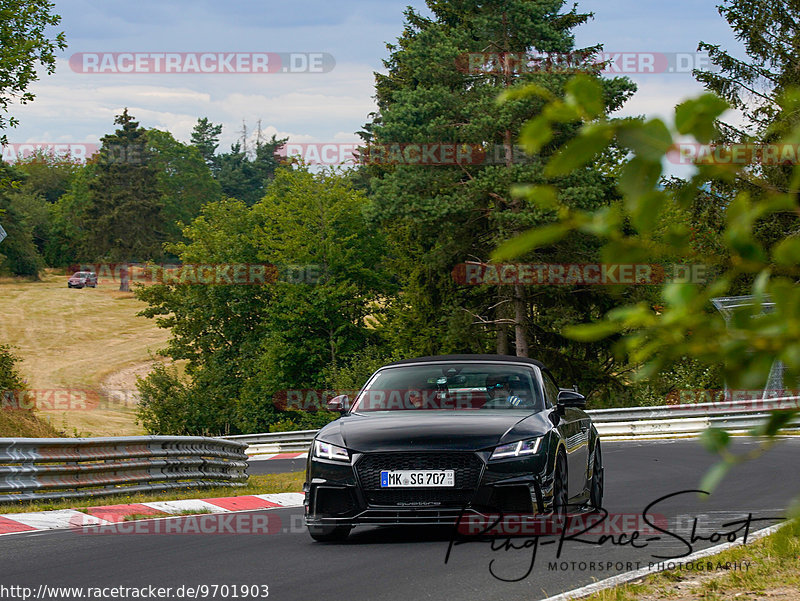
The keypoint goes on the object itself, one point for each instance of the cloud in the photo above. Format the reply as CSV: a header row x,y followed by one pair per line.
x,y
307,107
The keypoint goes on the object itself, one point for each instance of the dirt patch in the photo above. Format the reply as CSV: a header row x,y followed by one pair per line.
x,y
120,386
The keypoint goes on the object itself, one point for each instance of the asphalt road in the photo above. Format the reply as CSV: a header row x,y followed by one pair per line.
x,y
405,564
277,466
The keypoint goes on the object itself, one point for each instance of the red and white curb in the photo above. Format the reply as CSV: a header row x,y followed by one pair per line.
x,y
265,456
13,523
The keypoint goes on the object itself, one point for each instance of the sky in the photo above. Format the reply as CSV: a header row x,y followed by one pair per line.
x,y
329,105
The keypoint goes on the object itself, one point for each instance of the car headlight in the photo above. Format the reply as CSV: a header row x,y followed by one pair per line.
x,y
515,449
326,450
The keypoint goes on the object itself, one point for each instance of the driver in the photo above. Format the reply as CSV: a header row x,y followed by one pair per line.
x,y
415,399
499,389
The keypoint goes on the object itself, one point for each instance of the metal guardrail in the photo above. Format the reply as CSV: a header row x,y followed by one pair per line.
x,y
666,421
296,441
65,468
670,421
680,410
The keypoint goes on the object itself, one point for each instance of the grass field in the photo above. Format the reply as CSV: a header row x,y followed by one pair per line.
x,y
768,568
82,340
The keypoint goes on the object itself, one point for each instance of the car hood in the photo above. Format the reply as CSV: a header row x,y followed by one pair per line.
x,y
433,430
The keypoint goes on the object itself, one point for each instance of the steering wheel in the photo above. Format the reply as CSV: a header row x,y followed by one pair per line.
x,y
496,404
504,404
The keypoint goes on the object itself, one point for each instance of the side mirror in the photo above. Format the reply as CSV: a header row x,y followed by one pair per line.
x,y
570,398
339,403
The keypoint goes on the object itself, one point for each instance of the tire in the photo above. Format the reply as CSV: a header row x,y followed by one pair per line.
x,y
596,496
560,491
329,534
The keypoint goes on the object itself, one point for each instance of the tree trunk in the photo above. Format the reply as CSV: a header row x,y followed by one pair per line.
x,y
502,339
124,279
520,315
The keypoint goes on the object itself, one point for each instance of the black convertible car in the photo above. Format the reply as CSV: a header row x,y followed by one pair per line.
x,y
427,439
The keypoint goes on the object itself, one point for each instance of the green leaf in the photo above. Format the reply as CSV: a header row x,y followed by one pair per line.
x,y
776,421
790,356
530,240
604,222
678,236
587,93
535,134
739,209
591,332
715,440
742,242
787,252
646,212
647,371
714,476
638,177
698,116
678,295
760,285
631,315
579,151
558,112
528,91
649,140
545,197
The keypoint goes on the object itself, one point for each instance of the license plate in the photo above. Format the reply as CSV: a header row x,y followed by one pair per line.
x,y
417,478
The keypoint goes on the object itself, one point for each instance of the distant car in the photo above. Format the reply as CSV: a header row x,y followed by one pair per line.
x,y
428,438
82,279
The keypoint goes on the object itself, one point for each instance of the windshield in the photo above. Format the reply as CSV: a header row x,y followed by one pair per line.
x,y
80,274
451,387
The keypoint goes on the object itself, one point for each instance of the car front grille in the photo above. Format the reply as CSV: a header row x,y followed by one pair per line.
x,y
467,467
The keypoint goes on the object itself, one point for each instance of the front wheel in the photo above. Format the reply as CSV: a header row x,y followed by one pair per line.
x,y
596,497
560,495
329,534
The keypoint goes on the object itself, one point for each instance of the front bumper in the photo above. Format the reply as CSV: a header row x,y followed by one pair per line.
x,y
341,494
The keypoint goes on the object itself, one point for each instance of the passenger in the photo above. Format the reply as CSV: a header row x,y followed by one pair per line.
x,y
499,390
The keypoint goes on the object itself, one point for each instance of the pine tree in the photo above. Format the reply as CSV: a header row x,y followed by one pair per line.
x,y
440,216
205,137
770,32
244,177
125,216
